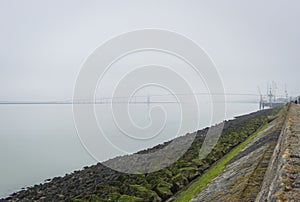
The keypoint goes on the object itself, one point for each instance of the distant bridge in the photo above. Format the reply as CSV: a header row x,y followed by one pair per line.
x,y
149,99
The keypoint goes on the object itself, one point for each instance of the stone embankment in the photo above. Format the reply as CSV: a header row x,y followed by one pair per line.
x,y
282,179
267,169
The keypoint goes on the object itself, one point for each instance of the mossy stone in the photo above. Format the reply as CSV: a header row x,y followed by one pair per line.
x,y
143,192
127,198
163,189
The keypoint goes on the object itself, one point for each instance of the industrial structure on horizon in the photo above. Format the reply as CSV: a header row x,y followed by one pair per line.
x,y
271,99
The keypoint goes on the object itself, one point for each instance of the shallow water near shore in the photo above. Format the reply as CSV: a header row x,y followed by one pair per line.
x,y
38,142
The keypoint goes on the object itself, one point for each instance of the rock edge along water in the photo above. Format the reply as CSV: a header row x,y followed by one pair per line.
x,y
99,183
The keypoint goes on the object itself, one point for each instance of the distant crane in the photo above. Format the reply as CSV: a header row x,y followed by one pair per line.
x,y
261,101
272,99
274,88
270,95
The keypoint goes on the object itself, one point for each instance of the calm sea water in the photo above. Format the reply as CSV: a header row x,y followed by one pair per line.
x,y
38,142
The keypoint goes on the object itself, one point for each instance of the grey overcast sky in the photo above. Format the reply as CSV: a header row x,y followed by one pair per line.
x,y
43,43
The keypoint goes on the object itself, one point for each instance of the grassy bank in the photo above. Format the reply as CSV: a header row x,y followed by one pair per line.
x,y
211,173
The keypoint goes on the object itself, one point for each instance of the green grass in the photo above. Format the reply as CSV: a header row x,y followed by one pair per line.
x,y
212,172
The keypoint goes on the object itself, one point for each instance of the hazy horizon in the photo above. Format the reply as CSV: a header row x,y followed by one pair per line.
x,y
44,43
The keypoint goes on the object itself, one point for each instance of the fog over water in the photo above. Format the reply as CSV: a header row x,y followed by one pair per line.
x,y
38,142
